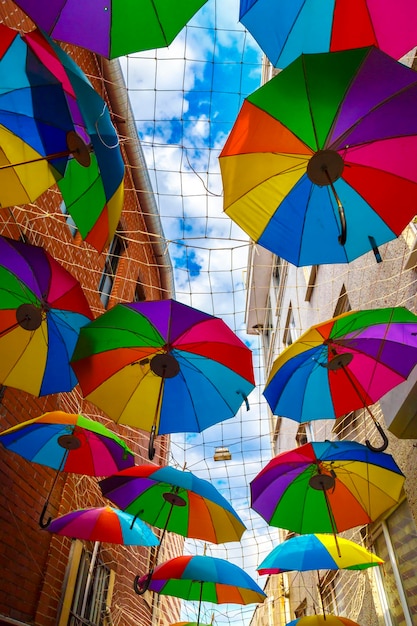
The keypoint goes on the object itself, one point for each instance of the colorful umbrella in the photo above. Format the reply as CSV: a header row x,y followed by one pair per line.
x,y
68,443
326,487
92,189
35,122
104,524
343,364
288,28
314,552
322,620
164,367
42,308
116,28
204,579
175,500
319,156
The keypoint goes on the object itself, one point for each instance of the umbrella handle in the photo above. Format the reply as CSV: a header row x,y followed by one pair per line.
x,y
44,523
141,588
151,447
385,442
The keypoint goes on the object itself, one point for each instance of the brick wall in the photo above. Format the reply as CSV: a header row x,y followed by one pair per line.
x,y
32,561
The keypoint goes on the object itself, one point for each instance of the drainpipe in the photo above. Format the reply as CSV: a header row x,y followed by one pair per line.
x,y
125,124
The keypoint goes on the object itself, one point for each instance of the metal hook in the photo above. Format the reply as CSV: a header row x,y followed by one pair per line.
x,y
384,445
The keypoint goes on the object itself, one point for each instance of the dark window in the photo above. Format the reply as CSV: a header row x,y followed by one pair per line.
x,y
111,263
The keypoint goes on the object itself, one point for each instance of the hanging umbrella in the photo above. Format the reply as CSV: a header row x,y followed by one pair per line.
x,y
115,29
104,524
315,552
93,185
326,487
322,620
42,308
203,579
174,500
164,367
319,156
37,132
343,364
68,443
288,28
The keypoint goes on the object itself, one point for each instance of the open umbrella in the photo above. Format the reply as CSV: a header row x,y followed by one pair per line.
x,y
174,500
68,443
116,28
343,364
42,308
322,620
204,579
319,156
288,28
326,487
104,524
315,552
93,184
164,367
36,125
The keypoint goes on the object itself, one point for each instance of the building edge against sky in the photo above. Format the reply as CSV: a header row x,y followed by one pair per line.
x,y
42,575
282,302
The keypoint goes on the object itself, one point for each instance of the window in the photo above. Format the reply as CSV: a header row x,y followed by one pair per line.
x,y
395,541
349,426
105,287
310,275
140,295
276,273
290,333
301,436
327,591
343,304
86,600
69,220
301,609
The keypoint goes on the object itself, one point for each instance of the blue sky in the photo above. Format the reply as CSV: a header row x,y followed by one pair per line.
x,y
185,100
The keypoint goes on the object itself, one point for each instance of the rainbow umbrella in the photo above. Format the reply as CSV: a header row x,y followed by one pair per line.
x,y
104,524
203,579
93,185
322,620
343,364
35,122
319,156
68,442
326,487
288,28
314,552
115,29
42,309
146,363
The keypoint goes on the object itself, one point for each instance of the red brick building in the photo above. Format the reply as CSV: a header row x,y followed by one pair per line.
x,y
42,575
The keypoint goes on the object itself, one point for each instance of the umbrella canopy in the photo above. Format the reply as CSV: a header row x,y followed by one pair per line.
x,y
104,524
163,366
322,620
343,364
326,486
314,552
92,189
175,500
69,443
42,308
35,122
116,28
205,579
286,29
320,154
